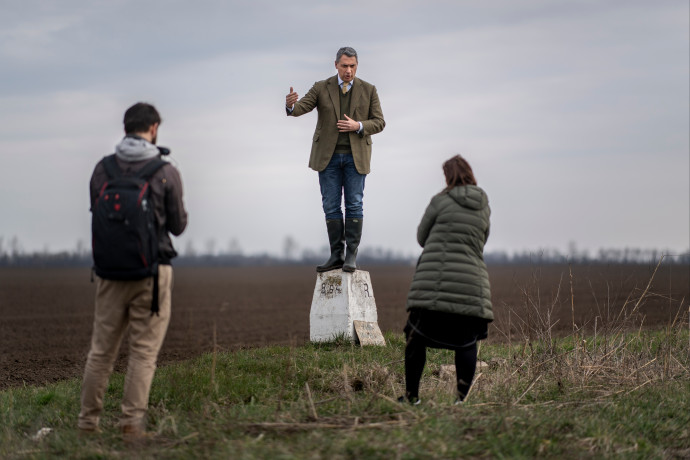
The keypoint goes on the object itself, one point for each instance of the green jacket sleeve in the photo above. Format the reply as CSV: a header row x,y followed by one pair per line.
x,y
427,222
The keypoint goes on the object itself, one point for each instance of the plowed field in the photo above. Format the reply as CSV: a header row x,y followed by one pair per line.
x,y
46,314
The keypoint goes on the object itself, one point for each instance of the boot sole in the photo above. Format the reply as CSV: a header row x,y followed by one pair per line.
x,y
328,269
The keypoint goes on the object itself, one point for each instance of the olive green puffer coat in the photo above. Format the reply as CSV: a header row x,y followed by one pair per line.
x,y
451,275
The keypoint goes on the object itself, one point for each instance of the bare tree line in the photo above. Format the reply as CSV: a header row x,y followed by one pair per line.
x,y
12,254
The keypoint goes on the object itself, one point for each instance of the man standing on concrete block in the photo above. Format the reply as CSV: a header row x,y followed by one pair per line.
x,y
136,201
349,113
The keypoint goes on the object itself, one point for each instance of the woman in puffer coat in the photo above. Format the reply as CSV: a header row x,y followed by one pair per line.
x,y
449,302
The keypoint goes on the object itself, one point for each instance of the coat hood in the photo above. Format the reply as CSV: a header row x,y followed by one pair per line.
x,y
134,148
469,196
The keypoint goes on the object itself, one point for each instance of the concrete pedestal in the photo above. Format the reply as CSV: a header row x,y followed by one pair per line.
x,y
340,298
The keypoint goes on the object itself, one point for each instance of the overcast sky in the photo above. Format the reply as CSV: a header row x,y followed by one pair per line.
x,y
573,114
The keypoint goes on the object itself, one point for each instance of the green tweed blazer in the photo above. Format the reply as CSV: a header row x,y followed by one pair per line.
x,y
365,108
451,275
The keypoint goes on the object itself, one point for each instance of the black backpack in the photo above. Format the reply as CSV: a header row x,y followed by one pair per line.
x,y
123,226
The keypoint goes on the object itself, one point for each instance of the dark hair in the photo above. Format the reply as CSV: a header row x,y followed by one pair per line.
x,y
347,51
140,117
458,172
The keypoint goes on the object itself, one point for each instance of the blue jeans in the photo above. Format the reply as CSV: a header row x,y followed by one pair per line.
x,y
341,174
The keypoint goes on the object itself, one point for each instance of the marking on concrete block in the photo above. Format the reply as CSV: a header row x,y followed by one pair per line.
x,y
332,286
339,299
365,288
369,333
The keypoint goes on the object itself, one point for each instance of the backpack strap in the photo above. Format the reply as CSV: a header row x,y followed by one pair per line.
x,y
150,168
145,173
155,293
112,169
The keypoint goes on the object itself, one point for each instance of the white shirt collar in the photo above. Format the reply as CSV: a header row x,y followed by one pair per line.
x,y
340,82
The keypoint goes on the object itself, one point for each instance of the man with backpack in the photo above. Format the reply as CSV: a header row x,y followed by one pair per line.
x,y
136,202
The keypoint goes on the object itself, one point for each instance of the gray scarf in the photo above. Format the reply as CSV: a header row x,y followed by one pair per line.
x,y
132,149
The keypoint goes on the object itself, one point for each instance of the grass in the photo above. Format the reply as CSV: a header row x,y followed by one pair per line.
x,y
619,391
624,395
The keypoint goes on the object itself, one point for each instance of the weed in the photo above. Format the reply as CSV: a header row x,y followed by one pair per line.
x,y
610,390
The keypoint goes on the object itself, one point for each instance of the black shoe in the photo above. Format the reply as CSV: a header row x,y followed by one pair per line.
x,y
415,401
336,238
353,234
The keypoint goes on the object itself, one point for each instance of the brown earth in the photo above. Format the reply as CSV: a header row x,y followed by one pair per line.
x,y
46,314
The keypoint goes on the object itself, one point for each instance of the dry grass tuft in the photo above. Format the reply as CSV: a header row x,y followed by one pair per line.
x,y
611,355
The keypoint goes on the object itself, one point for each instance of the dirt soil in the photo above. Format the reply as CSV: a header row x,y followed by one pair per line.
x,y
47,313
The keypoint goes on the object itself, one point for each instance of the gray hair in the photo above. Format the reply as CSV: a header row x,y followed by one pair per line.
x,y
347,51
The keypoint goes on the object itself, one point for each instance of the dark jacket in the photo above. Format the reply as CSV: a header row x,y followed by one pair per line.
x,y
451,275
166,193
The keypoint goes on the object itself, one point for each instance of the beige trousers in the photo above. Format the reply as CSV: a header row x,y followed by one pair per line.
x,y
120,304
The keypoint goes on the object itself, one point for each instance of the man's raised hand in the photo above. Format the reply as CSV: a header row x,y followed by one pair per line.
x,y
291,98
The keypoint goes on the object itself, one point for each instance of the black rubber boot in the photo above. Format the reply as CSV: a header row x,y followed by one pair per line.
x,y
353,233
336,237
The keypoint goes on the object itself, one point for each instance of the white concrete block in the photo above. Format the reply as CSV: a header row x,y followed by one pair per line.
x,y
339,299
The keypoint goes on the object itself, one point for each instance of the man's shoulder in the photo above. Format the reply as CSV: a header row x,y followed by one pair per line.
x,y
327,81
100,166
102,159
165,167
365,84
169,168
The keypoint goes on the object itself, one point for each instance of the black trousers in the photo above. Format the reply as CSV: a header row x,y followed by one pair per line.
x,y
415,359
